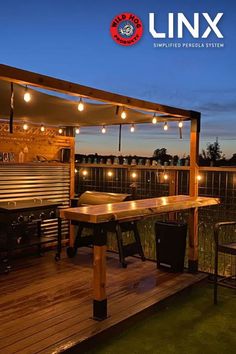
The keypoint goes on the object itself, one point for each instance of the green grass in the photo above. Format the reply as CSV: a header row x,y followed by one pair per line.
x,y
189,324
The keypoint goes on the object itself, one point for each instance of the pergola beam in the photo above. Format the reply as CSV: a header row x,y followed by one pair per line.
x,y
24,77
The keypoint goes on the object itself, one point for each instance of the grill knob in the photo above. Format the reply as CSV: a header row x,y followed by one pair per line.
x,y
31,217
52,214
42,215
20,218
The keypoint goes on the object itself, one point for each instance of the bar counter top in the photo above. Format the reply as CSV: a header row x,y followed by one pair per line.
x,y
135,208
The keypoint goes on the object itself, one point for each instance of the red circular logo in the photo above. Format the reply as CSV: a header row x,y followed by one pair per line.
x,y
126,29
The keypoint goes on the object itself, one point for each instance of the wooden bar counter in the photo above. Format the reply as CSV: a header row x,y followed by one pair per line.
x,y
131,210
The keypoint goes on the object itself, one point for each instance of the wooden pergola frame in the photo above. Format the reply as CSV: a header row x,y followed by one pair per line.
x,y
19,76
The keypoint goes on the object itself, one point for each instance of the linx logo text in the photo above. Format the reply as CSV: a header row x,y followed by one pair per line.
x,y
211,25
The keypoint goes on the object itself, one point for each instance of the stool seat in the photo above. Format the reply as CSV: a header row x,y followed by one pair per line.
x,y
229,248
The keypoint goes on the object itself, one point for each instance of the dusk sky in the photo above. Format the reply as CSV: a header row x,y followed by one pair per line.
x,y
70,39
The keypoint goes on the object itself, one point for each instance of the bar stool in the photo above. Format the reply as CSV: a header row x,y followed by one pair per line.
x,y
226,248
118,228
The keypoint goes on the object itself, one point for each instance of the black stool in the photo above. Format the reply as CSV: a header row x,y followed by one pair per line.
x,y
226,248
117,227
114,227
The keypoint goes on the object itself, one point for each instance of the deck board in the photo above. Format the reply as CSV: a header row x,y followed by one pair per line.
x,y
46,306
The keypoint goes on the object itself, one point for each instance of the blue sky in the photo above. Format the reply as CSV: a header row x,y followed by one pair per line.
x,y
70,39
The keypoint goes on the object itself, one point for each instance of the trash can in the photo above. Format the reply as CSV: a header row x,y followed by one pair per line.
x,y
170,245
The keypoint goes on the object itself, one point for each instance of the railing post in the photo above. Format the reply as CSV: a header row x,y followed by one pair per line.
x,y
70,132
172,182
193,192
172,190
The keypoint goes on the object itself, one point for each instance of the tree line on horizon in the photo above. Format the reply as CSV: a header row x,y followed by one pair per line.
x,y
211,156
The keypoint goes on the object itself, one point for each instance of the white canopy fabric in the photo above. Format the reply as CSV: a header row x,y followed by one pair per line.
x,y
55,111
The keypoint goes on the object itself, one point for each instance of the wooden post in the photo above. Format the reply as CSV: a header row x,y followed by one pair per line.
x,y
193,192
69,131
72,187
172,182
119,144
99,274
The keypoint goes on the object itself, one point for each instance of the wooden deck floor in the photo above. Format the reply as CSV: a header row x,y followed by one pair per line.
x,y
46,306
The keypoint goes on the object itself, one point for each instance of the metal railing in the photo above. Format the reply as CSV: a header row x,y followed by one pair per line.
x,y
147,182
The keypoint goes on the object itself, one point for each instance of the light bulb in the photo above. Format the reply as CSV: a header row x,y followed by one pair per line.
x,y
133,174
199,177
60,130
42,128
76,171
180,124
80,105
85,173
165,176
110,173
154,120
132,128
27,95
77,130
165,126
25,126
123,114
104,130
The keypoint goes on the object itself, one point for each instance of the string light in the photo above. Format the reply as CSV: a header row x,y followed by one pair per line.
x,y
110,173
84,172
165,176
104,130
132,128
154,119
123,114
180,124
165,126
25,126
81,105
133,174
60,130
27,95
42,128
76,171
77,130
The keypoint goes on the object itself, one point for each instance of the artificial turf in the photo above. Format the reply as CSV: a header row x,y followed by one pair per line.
x,y
188,324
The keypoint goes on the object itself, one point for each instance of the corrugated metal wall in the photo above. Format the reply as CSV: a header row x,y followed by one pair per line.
x,y
28,181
